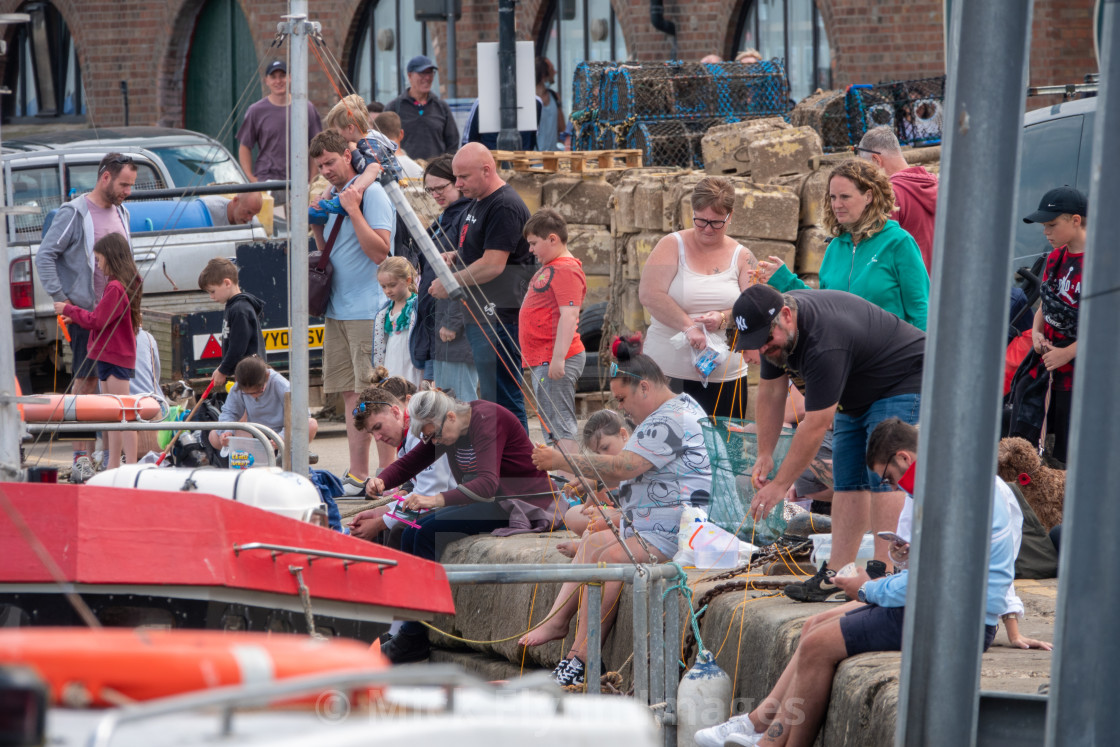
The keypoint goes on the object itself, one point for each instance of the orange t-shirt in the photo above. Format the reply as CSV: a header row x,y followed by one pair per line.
x,y
559,283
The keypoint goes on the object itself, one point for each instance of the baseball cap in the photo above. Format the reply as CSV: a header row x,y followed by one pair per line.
x,y
1059,201
420,64
274,66
753,312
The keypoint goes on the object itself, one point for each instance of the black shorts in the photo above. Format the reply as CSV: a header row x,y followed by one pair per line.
x,y
105,370
874,628
83,366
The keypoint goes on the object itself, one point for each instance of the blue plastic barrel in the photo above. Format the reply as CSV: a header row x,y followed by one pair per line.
x,y
168,215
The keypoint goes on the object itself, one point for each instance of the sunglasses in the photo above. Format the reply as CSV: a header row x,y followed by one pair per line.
x,y
715,225
118,160
857,150
427,438
616,372
363,406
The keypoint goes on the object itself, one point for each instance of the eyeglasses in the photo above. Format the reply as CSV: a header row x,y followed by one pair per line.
x,y
616,372
119,160
436,190
883,475
363,406
715,225
857,150
427,438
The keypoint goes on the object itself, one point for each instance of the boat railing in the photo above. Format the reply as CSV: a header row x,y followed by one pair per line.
x,y
262,433
656,620
259,694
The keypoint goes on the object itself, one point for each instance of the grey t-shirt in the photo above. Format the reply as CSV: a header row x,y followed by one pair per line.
x,y
268,409
266,127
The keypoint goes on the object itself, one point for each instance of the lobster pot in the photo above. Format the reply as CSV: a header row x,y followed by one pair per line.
x,y
914,109
671,143
587,84
868,110
824,111
270,488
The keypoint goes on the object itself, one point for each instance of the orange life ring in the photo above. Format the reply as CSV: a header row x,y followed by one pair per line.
x,y
101,666
97,408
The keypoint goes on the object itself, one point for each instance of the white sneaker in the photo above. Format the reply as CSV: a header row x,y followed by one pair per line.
x,y
745,740
352,486
718,735
82,471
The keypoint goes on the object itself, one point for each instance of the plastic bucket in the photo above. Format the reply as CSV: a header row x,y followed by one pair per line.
x,y
822,549
246,452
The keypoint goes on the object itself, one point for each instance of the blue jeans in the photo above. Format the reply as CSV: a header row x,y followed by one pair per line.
x,y
462,378
495,384
849,442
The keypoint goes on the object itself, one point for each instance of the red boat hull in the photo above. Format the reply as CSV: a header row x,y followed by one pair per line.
x,y
185,545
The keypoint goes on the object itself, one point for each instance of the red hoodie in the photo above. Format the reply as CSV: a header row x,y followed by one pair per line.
x,y
915,190
112,339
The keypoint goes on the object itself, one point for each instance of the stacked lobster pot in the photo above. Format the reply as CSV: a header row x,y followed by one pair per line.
x,y
663,109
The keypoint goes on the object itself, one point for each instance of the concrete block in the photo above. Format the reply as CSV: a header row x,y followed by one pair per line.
x,y
763,249
598,290
782,153
529,186
636,252
811,245
622,207
592,245
579,199
649,204
764,212
812,188
677,213
725,148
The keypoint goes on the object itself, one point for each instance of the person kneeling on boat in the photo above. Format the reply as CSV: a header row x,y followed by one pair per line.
x,y
257,397
499,490
662,468
382,412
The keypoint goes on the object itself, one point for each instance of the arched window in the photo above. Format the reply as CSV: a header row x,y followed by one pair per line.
x,y
388,37
793,31
42,69
576,31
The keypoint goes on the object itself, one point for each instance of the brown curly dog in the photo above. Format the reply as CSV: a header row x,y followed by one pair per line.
x,y
1042,486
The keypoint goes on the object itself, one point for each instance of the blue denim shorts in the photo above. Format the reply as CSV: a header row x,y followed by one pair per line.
x,y
105,370
849,442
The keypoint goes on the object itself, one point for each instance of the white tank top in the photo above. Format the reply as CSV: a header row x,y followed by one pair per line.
x,y
696,293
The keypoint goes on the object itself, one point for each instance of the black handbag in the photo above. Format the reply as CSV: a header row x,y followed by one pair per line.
x,y
319,272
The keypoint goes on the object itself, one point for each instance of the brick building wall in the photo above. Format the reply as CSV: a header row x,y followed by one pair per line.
x,y
148,43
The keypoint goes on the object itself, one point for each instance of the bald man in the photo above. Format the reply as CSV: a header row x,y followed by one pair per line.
x,y
494,265
233,212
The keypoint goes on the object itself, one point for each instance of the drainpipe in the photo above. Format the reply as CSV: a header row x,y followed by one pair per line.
x,y
657,18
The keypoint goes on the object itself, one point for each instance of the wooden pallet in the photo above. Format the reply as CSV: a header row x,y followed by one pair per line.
x,y
577,162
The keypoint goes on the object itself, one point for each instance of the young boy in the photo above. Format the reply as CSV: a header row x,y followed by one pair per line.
x,y
389,125
257,397
241,325
1062,214
550,344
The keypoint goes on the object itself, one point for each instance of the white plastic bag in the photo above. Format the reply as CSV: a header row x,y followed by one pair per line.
x,y
710,358
709,546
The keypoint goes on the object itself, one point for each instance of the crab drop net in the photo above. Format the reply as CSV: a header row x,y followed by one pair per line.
x,y
663,109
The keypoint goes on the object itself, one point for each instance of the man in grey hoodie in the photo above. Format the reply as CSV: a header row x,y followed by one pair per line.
x,y
69,273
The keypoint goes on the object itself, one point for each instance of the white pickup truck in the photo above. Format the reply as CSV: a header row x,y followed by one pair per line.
x,y
47,170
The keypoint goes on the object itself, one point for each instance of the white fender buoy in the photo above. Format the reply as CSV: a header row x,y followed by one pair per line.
x,y
703,698
270,488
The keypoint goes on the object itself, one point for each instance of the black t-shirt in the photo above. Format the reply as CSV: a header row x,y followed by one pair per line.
x,y
495,222
849,351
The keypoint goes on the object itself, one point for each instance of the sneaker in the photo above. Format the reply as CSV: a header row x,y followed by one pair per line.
x,y
747,740
82,470
817,589
725,733
405,648
562,667
574,674
352,486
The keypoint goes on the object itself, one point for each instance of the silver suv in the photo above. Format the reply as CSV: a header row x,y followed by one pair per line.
x,y
46,170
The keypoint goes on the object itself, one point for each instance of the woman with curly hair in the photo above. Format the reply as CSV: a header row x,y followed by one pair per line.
x,y
872,256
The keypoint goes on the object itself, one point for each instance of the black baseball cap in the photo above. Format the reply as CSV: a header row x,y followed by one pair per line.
x,y
420,64
1059,201
274,66
753,312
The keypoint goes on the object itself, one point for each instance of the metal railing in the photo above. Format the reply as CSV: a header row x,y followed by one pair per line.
x,y
261,432
656,621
